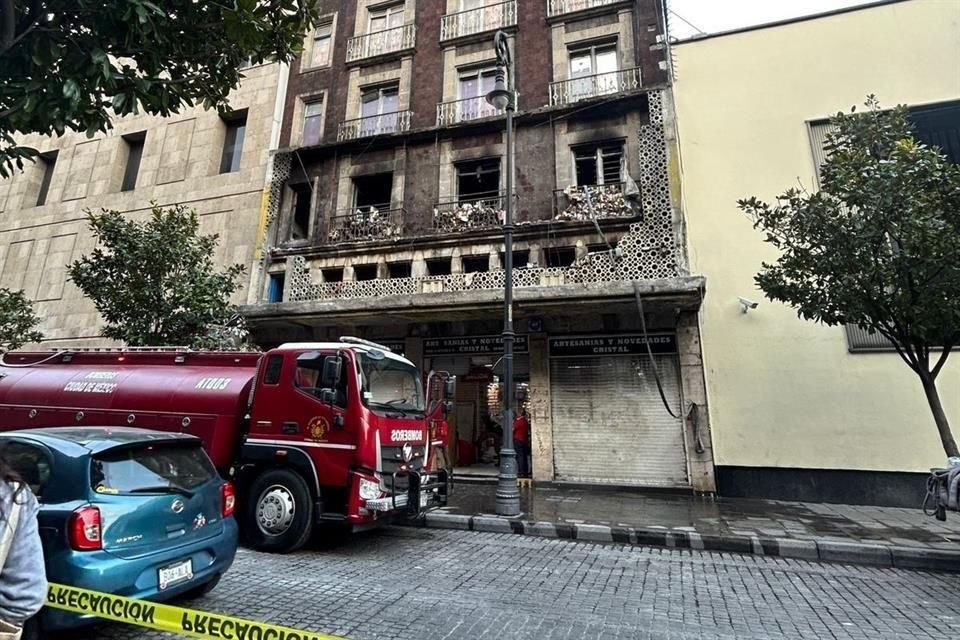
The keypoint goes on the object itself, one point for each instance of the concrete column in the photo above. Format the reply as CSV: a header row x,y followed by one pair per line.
x,y
541,425
413,350
693,385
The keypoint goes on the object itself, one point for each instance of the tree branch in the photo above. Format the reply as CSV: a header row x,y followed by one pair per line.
x,y
942,360
8,23
35,15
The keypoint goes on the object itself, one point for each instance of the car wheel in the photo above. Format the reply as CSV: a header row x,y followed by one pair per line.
x,y
204,588
279,512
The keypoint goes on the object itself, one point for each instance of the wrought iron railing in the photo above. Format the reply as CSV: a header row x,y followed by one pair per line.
x,y
380,43
467,214
488,18
561,7
601,84
395,122
366,223
463,110
596,201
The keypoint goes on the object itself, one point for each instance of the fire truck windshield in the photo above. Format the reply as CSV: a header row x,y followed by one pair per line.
x,y
390,385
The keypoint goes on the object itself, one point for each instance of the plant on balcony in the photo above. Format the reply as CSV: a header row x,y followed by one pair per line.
x,y
468,215
364,224
587,203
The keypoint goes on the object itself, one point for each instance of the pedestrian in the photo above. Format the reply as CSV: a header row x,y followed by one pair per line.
x,y
23,579
521,443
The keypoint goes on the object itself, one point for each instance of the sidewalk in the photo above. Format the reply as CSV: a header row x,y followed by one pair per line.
x,y
879,536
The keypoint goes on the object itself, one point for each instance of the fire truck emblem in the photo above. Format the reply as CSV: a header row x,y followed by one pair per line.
x,y
318,428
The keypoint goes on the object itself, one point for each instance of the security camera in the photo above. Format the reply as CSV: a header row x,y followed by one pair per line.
x,y
746,303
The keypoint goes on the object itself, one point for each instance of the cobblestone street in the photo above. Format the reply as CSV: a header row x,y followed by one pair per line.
x,y
432,584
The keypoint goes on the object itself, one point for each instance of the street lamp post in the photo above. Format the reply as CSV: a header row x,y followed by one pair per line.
x,y
503,97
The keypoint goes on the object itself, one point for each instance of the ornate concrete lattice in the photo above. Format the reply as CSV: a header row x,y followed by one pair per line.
x,y
647,251
281,172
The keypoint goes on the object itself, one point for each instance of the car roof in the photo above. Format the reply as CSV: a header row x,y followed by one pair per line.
x,y
96,439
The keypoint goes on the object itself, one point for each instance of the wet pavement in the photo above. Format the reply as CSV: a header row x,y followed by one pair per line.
x,y
718,516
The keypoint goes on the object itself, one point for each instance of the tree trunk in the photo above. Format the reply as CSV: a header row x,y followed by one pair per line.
x,y
943,425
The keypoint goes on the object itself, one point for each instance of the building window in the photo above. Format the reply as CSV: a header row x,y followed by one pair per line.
x,y
378,109
312,122
478,179
938,125
363,272
322,44
333,274
520,259
275,287
300,211
399,269
598,164
48,162
439,266
135,142
593,71
385,18
233,142
475,264
373,192
560,256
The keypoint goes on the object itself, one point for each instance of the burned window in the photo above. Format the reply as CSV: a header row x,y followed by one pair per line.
x,y
373,191
439,266
560,256
478,180
300,211
399,269
599,163
333,274
365,272
520,258
475,264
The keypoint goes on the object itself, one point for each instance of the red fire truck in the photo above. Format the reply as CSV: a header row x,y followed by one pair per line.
x,y
310,433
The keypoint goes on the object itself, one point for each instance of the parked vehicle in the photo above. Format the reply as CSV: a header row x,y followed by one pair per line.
x,y
321,433
127,511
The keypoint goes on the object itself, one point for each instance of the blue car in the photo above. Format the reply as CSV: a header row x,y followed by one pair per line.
x,y
126,511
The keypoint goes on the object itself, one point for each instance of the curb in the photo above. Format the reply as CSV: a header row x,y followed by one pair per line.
x,y
874,555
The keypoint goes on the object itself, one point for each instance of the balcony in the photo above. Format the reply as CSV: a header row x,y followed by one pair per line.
x,y
457,111
465,215
369,223
395,122
474,21
562,7
596,202
601,84
381,43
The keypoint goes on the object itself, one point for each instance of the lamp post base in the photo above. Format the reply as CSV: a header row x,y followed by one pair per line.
x,y
508,493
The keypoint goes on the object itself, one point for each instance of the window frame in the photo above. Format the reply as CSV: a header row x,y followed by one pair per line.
x,y
237,123
49,163
592,49
598,148
458,167
307,103
133,141
328,23
386,12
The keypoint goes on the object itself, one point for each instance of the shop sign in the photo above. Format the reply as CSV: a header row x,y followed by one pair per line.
x,y
397,346
471,345
620,345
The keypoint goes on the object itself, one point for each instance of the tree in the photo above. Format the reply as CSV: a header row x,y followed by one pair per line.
x,y
74,64
17,321
154,282
878,246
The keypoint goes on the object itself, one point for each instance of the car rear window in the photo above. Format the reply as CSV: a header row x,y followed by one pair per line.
x,y
150,467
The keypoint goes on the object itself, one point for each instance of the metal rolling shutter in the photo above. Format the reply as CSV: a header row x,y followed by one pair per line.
x,y
609,424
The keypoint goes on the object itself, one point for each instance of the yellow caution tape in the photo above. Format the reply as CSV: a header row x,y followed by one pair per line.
x,y
164,617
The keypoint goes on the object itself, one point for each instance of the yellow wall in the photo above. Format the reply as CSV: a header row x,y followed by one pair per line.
x,y
784,392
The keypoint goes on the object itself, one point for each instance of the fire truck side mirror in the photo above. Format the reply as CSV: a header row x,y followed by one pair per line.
x,y
448,407
331,372
450,387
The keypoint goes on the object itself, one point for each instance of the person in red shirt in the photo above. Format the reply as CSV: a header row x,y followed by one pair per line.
x,y
521,443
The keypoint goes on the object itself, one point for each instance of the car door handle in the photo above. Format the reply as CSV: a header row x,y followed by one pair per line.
x,y
291,427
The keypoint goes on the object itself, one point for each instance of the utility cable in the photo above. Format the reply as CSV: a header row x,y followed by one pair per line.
x,y
646,342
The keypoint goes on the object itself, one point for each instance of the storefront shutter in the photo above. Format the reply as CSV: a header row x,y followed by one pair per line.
x,y
609,424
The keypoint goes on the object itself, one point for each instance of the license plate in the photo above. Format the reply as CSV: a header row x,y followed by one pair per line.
x,y
175,574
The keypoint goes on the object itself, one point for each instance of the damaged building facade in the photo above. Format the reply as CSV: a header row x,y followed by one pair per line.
x,y
386,208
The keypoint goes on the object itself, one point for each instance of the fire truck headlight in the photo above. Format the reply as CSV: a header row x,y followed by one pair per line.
x,y
407,452
369,490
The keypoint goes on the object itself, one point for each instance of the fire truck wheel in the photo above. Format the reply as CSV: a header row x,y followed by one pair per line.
x,y
280,512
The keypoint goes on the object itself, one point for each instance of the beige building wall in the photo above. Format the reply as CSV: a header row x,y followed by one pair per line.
x,y
180,165
784,392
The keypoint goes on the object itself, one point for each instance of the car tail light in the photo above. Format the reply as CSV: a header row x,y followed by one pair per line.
x,y
85,529
229,499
